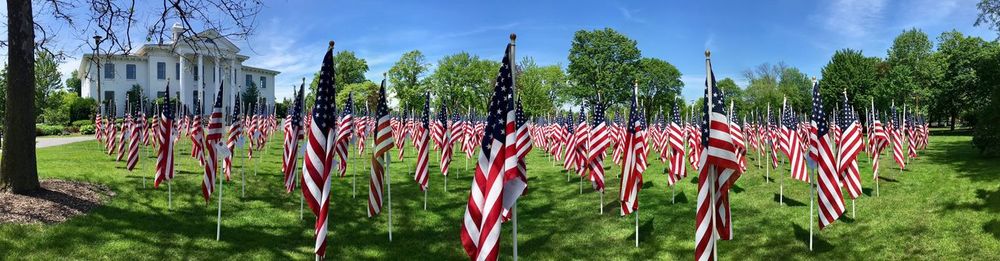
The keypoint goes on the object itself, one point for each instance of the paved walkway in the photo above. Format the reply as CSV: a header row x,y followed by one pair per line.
x,y
56,141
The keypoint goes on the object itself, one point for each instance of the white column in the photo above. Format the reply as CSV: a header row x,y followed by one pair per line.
x,y
215,78
199,83
181,87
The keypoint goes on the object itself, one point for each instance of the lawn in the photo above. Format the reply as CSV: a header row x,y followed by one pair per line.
x,y
945,206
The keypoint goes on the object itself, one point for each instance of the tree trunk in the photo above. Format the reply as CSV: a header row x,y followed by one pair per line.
x,y
18,173
952,124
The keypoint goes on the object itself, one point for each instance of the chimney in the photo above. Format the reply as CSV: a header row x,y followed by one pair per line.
x,y
177,29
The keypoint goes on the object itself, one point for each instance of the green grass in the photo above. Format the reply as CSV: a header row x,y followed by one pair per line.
x,y
943,207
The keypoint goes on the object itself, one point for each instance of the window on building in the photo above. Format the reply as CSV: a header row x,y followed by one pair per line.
x,y
249,80
263,82
109,96
161,70
194,100
177,71
109,71
196,72
130,71
161,94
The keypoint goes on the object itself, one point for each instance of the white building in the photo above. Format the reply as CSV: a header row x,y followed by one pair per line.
x,y
196,65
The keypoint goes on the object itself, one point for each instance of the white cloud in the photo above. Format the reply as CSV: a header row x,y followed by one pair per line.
x,y
629,14
854,18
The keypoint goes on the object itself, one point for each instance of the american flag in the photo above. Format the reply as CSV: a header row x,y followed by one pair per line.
x,y
126,133
383,142
423,145
896,136
197,136
675,137
632,167
581,136
293,134
165,158
598,144
446,140
830,199
235,134
524,140
98,128
796,160
911,133
496,185
569,156
213,143
847,152
344,132
718,171
133,145
318,160
404,130
737,135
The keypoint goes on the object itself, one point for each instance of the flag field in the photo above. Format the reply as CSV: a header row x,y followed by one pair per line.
x,y
944,206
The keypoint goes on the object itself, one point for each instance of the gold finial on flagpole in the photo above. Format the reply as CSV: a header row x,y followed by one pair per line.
x,y
708,54
513,37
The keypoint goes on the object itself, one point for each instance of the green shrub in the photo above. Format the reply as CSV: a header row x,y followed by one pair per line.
x,y
46,130
80,123
87,129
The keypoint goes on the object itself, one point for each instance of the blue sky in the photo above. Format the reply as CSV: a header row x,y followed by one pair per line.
x,y
292,35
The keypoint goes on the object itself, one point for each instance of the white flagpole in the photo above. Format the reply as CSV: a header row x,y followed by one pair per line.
x,y
388,182
243,176
425,199
812,201
601,206
513,212
354,177
218,219
637,227
170,194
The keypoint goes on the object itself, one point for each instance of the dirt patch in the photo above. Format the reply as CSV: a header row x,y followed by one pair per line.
x,y
57,201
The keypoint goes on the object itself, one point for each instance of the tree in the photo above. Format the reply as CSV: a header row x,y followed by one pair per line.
x,y
74,84
762,89
960,93
535,86
365,93
462,81
797,87
350,69
3,95
912,68
112,20
250,98
733,94
602,61
47,80
851,71
405,79
989,14
18,173
659,84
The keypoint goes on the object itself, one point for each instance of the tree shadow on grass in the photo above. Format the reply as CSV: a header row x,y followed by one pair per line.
x,y
819,245
788,201
887,179
681,198
767,179
993,228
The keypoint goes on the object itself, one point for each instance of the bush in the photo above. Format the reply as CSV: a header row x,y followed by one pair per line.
x,y
46,130
80,123
71,129
986,135
87,129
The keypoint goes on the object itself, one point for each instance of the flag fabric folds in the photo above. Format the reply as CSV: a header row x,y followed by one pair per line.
x,y
318,158
497,184
829,196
